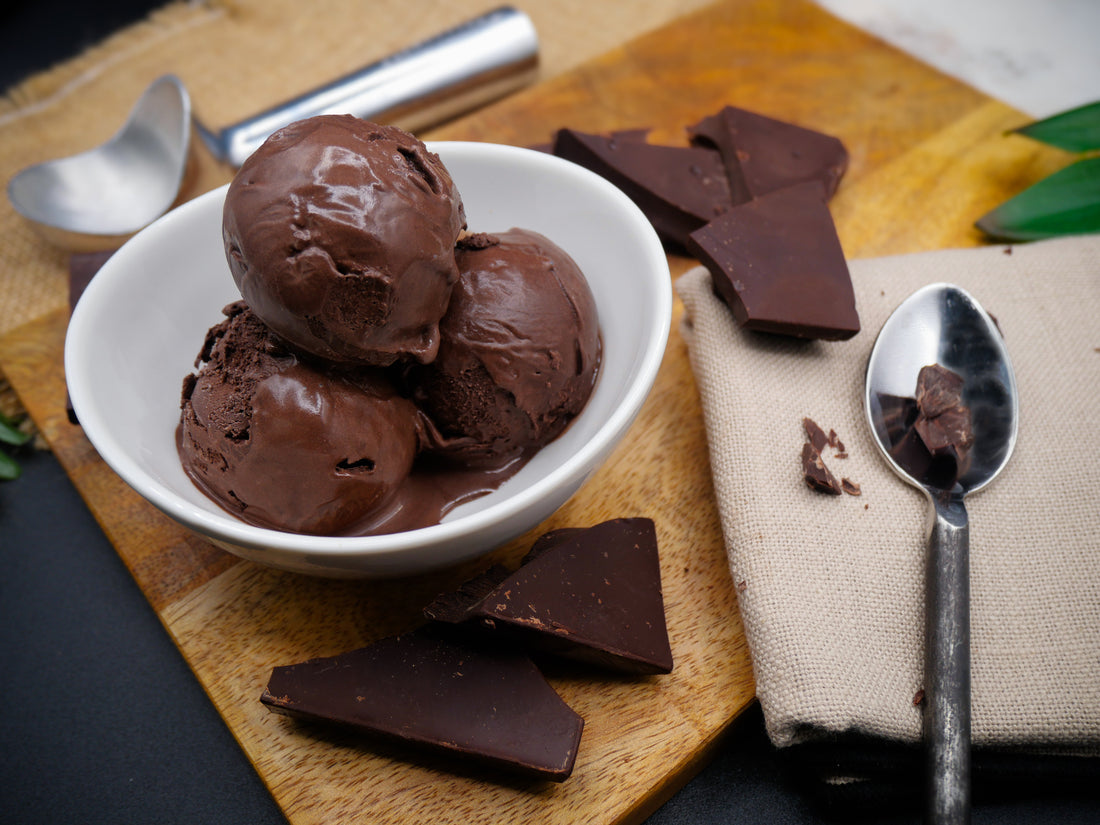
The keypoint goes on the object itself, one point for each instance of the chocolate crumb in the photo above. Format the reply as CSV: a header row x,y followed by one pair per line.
x,y
741,585
817,435
816,474
850,487
865,506
1008,250
918,697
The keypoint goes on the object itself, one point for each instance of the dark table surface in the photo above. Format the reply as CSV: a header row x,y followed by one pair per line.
x,y
101,720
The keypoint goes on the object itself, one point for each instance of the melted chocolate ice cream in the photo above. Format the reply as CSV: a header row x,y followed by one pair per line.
x,y
519,354
287,443
340,236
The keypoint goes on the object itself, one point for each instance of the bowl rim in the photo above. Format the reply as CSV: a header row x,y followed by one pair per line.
x,y
226,527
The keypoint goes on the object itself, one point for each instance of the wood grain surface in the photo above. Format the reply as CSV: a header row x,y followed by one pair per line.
x,y
928,157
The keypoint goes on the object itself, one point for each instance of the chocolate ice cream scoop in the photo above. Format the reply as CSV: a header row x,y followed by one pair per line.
x,y
519,353
340,236
285,443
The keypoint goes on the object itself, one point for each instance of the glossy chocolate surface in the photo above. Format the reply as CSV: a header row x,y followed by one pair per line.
x,y
679,188
340,235
519,355
777,263
590,594
485,703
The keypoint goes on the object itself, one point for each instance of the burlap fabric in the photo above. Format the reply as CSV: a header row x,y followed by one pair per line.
x,y
236,58
831,589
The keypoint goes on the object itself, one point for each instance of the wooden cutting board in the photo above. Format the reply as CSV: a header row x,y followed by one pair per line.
x,y
928,156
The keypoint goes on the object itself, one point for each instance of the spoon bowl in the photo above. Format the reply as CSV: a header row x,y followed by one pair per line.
x,y
943,324
100,197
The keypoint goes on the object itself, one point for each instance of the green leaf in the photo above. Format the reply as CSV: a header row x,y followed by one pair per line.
x,y
9,470
1077,130
10,435
1066,203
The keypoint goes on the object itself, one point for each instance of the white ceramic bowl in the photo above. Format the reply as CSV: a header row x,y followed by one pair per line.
x,y
138,327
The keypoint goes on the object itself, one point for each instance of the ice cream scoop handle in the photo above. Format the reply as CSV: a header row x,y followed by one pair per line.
x,y
947,663
451,73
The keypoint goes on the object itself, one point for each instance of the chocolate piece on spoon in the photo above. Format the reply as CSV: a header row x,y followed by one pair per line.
x,y
777,263
488,704
930,434
591,594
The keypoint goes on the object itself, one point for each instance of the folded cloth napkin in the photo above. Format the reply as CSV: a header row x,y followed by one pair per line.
x,y
831,588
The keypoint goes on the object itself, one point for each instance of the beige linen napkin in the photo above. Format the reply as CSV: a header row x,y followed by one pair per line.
x,y
831,589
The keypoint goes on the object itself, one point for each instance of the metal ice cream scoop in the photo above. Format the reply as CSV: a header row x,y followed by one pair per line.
x,y
99,197
942,324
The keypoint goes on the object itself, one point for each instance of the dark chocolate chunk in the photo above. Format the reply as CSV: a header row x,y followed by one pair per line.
x,y
679,188
762,154
950,430
816,474
589,594
816,435
777,262
489,704
898,415
938,390
931,434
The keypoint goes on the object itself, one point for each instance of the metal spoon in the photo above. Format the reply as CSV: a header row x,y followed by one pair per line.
x,y
942,324
98,198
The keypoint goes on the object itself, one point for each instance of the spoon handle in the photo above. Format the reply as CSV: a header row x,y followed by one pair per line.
x,y
453,72
947,663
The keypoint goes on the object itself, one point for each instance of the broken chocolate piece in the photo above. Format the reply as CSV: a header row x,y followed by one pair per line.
x,y
930,435
417,688
778,264
816,474
679,188
948,430
592,595
898,415
816,435
762,154
938,389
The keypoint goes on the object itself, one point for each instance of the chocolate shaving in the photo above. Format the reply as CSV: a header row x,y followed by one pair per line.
x,y
816,474
816,435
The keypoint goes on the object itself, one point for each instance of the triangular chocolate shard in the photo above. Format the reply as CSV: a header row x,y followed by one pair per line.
x,y
763,154
590,594
439,694
679,188
777,262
